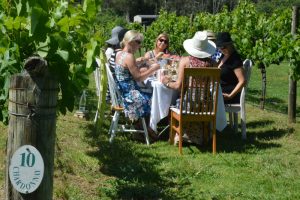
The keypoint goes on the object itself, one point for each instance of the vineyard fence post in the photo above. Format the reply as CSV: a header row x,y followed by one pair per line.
x,y
32,121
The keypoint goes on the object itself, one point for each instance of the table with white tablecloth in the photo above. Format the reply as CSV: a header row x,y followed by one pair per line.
x,y
163,97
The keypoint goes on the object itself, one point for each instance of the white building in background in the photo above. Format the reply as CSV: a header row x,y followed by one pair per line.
x,y
144,19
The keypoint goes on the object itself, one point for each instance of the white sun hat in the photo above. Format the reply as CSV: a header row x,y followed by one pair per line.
x,y
199,46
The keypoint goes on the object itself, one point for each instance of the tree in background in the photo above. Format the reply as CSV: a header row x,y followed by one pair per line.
x,y
131,8
188,7
268,6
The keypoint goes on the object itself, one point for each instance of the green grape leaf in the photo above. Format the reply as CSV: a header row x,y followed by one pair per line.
x,y
90,53
63,54
19,7
90,8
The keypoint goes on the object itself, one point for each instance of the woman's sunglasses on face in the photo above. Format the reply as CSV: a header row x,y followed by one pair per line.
x,y
163,41
138,41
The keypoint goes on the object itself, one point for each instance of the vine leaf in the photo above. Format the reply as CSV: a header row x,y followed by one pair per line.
x,y
90,53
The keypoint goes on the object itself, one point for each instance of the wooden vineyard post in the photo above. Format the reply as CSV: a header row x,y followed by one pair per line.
x,y
292,106
32,121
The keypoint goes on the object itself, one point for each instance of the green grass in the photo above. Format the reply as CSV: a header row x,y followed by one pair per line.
x,y
265,166
277,88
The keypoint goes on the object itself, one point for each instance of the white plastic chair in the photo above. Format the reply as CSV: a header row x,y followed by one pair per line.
x,y
97,75
117,107
234,109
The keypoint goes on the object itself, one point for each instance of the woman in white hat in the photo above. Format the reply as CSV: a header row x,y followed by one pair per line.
x,y
200,50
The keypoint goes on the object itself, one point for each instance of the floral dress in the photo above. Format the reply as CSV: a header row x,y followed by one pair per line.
x,y
136,103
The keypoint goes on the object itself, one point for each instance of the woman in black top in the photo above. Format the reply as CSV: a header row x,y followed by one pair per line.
x,y
232,72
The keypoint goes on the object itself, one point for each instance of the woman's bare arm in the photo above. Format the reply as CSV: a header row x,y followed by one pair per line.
x,y
239,72
138,75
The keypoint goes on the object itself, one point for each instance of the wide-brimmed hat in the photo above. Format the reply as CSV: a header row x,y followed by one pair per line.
x,y
199,46
121,34
114,40
223,38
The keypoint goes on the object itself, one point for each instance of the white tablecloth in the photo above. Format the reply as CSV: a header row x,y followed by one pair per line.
x,y
162,98
221,121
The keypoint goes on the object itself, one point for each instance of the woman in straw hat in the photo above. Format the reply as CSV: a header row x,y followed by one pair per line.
x,y
218,54
232,73
136,103
200,50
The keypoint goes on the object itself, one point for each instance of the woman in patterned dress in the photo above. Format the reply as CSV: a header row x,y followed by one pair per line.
x,y
200,50
136,103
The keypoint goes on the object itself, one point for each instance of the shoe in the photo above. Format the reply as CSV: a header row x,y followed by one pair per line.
x,y
186,138
152,134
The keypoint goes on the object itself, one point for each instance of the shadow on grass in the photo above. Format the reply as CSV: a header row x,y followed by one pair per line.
x,y
228,141
134,166
260,123
271,103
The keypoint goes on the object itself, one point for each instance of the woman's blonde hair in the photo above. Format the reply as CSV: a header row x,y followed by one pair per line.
x,y
165,35
131,35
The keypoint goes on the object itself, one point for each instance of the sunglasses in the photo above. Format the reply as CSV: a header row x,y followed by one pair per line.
x,y
163,41
138,41
222,47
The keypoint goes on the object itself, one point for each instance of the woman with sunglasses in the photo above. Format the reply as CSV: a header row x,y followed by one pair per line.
x,y
136,103
160,48
232,72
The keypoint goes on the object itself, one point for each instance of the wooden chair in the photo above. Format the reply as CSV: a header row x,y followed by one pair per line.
x,y
198,102
234,109
117,107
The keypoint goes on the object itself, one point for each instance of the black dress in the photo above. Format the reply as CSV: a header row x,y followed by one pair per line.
x,y
228,77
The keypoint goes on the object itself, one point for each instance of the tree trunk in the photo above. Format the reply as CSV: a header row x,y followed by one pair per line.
x,y
292,106
32,121
263,85
292,100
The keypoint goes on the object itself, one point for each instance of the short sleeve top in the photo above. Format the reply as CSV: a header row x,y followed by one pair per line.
x,y
228,77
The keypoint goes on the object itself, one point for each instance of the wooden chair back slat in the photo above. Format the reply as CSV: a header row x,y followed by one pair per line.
x,y
198,101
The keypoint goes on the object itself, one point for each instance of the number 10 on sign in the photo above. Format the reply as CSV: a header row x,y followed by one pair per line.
x,y
26,169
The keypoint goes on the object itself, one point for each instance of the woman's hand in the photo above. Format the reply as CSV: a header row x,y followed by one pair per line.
x,y
155,66
165,79
141,62
141,59
227,96
159,55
